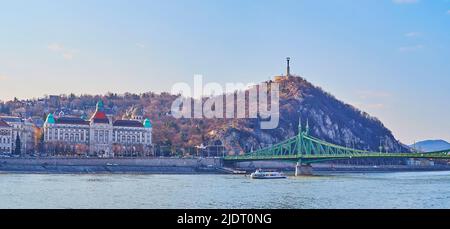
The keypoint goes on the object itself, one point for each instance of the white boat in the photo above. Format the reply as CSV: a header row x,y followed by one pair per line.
x,y
259,174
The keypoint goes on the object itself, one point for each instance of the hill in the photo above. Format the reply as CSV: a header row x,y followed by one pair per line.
x,y
330,119
431,145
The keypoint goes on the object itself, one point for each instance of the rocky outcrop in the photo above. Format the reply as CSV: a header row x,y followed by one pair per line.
x,y
329,119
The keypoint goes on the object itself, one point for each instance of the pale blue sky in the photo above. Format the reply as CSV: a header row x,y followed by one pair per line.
x,y
390,58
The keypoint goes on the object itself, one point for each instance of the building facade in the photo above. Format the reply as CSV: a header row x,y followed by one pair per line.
x,y
22,129
100,135
5,138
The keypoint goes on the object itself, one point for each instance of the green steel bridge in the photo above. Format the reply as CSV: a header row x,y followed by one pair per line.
x,y
305,149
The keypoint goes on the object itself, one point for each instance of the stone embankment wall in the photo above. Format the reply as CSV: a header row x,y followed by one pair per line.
x,y
110,165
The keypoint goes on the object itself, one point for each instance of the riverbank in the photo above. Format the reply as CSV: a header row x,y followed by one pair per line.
x,y
111,165
323,168
180,166
376,169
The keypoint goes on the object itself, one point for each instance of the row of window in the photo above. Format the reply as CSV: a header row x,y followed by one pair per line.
x,y
132,139
63,134
70,129
5,149
50,131
5,140
5,132
100,136
125,136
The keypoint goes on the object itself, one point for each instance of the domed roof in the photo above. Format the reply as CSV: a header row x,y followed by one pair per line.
x,y
100,105
147,123
50,119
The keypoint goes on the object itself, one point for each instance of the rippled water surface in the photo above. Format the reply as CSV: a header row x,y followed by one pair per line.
x,y
371,190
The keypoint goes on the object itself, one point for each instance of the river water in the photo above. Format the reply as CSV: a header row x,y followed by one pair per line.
x,y
348,190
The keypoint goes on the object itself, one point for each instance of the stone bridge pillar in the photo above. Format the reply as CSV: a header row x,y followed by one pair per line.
x,y
303,169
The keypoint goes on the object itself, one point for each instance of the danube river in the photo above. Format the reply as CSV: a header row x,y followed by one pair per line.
x,y
348,190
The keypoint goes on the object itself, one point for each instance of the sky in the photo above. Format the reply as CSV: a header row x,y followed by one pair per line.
x,y
390,58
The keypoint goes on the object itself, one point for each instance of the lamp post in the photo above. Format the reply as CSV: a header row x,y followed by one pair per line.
x,y
380,147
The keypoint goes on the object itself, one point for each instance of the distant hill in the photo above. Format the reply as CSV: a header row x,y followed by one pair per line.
x,y
431,145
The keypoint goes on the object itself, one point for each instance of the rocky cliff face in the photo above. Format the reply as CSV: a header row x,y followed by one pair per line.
x,y
329,119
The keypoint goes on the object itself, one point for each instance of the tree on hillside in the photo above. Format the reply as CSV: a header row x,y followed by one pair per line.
x,y
41,144
18,150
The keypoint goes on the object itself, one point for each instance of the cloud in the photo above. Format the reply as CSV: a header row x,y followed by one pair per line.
x,y
141,45
66,53
405,1
3,77
371,99
411,48
413,34
55,47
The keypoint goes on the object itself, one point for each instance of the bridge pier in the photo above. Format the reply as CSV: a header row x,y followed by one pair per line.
x,y
303,169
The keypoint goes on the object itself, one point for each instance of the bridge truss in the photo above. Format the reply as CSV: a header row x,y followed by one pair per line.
x,y
307,149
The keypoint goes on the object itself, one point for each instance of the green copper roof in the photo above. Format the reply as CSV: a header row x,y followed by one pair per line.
x,y
147,123
50,119
99,105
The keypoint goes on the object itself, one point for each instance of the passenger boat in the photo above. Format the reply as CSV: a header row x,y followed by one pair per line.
x,y
259,174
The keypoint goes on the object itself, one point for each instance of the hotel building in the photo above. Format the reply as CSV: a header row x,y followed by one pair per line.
x,y
99,135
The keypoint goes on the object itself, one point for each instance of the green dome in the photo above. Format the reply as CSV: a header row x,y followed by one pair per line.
x,y
147,123
50,119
